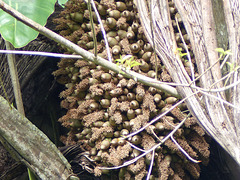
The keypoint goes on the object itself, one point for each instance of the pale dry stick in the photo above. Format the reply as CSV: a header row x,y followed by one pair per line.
x,y
135,147
186,48
224,61
224,109
206,70
148,151
155,135
227,76
103,30
92,27
220,99
57,55
159,116
153,39
151,165
183,151
85,54
39,53
14,78
203,89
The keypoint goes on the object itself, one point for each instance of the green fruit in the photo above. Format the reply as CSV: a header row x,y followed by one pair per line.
x,y
121,6
136,140
146,56
134,104
105,144
111,22
112,41
135,48
131,96
77,17
105,103
130,35
106,77
115,14
130,114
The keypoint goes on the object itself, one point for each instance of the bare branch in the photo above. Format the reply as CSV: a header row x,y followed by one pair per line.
x,y
183,151
151,166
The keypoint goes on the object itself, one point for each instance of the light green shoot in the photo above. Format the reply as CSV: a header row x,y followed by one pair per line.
x,y
127,62
180,52
222,52
232,66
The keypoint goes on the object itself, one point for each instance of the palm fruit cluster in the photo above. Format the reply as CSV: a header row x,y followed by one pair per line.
x,y
102,106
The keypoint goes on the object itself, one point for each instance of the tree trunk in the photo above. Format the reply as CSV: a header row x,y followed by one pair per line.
x,y
30,145
219,120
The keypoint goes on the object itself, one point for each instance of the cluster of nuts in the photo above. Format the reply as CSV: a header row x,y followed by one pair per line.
x,y
103,106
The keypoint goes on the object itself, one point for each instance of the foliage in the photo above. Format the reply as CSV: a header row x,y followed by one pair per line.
x,y
223,52
127,62
15,31
180,52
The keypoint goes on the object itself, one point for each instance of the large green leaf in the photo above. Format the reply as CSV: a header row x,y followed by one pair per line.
x,y
16,32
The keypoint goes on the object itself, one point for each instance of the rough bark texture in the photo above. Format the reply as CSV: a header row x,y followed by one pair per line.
x,y
232,15
31,145
26,65
197,16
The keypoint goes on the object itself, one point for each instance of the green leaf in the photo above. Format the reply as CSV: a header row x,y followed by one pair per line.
x,y
62,2
228,52
220,50
16,32
119,60
135,63
183,54
179,49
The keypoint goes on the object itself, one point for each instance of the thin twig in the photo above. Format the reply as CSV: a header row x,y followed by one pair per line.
x,y
38,53
220,99
135,147
151,166
153,38
224,61
103,31
57,55
155,135
209,68
186,48
92,27
183,151
14,78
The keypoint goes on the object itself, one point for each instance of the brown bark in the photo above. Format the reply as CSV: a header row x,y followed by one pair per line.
x,y
30,145
198,21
